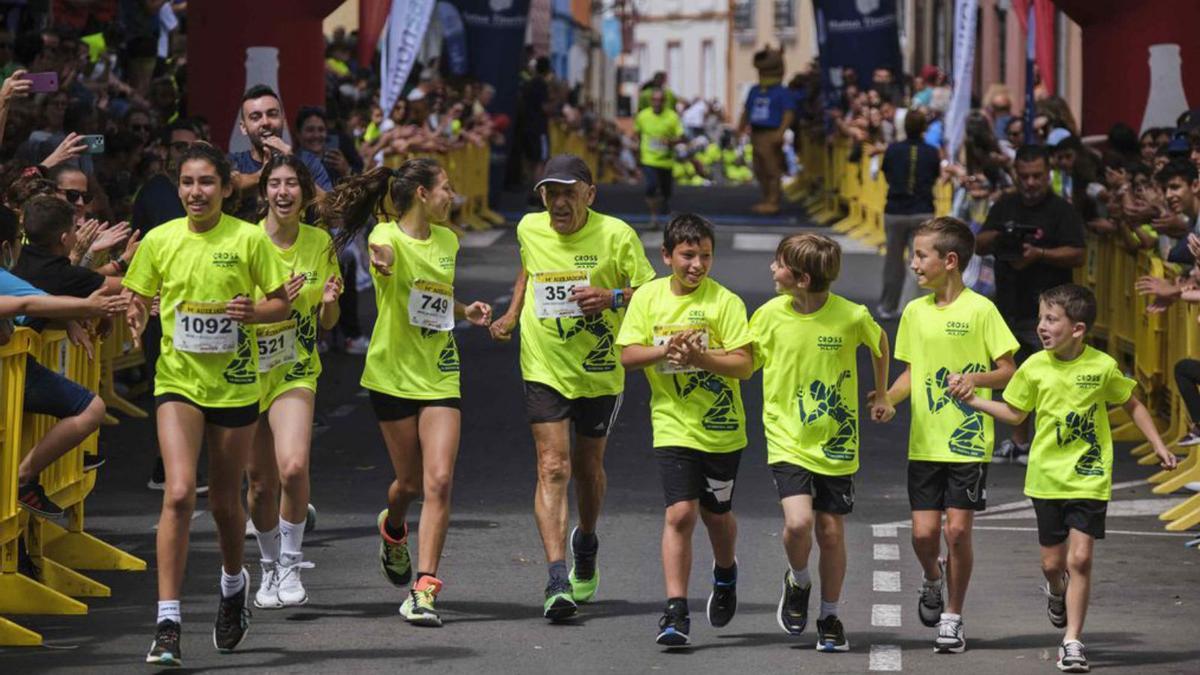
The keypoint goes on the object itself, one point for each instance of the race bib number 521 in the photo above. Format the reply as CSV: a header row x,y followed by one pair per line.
x,y
204,328
552,293
276,345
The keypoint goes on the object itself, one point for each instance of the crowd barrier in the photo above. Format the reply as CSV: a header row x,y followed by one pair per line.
x,y
848,194
55,554
564,140
468,167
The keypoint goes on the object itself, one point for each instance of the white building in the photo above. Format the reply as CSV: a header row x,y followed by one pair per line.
x,y
687,39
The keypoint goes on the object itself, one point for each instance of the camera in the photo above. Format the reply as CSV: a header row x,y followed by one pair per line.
x,y
1012,236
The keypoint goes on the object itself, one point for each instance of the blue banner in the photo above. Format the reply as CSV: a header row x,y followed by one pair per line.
x,y
454,46
495,39
859,34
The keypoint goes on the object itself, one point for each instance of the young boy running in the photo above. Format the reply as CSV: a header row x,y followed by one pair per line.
x,y
951,332
1070,386
691,336
806,340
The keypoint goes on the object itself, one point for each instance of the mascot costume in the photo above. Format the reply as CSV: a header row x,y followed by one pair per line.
x,y
769,112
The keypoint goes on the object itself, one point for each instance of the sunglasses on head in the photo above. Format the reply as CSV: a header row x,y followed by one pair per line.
x,y
74,196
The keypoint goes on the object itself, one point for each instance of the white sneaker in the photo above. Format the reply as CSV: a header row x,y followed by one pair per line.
x,y
951,638
291,592
357,346
1192,438
267,596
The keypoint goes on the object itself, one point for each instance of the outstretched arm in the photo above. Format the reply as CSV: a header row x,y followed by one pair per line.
x,y
1141,419
1001,410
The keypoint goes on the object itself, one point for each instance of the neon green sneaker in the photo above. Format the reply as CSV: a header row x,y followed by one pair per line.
x,y
393,555
418,606
583,589
559,603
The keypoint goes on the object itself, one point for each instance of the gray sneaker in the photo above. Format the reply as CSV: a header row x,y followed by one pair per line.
x,y
1071,658
930,603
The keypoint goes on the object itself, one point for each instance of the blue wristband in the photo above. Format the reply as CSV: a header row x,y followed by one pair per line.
x,y
618,298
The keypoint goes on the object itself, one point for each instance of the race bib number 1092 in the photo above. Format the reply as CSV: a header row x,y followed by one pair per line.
x,y
204,328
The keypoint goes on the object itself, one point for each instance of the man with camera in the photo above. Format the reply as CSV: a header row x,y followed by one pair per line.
x,y
1037,239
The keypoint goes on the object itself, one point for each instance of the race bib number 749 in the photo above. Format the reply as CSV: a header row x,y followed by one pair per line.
x,y
552,293
204,328
431,305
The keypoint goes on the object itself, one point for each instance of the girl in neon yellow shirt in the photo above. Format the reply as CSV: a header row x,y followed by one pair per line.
x,y
412,365
288,368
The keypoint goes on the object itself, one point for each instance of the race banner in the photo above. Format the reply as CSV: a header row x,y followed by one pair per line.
x,y
964,66
402,40
495,32
859,34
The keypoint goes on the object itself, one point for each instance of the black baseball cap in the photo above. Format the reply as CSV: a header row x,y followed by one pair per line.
x,y
565,169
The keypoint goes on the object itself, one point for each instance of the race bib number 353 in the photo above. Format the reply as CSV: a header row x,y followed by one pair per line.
x,y
276,345
204,328
431,305
552,293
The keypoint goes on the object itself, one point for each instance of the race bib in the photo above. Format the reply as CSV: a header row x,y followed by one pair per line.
x,y
204,328
431,305
276,345
662,335
656,145
552,293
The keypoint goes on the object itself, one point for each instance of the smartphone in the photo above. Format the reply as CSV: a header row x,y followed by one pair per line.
x,y
43,83
331,143
95,144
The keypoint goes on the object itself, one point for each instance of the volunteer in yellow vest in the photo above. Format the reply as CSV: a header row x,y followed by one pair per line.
x,y
412,368
288,366
205,268
578,271
657,128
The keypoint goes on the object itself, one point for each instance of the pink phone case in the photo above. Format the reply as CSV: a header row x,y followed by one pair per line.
x,y
43,83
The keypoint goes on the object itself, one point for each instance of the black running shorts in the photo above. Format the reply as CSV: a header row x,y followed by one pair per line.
x,y
689,474
830,494
390,408
937,486
1055,517
593,417
229,418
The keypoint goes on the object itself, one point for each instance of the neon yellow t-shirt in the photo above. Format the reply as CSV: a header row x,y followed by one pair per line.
x,y
698,410
966,336
575,355
657,132
810,381
405,360
198,273
1072,454
293,342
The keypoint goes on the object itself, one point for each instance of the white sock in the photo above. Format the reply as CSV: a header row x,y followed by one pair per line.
x,y
291,538
268,544
947,616
232,584
801,577
828,609
169,609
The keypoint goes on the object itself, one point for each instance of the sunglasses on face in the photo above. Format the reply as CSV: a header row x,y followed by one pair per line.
x,y
75,196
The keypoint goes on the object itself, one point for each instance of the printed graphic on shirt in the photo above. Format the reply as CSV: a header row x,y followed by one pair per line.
x,y
242,368
829,401
447,361
1082,427
306,337
721,415
601,358
968,438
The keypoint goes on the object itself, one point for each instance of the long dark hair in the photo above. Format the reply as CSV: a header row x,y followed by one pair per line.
x,y
308,189
352,203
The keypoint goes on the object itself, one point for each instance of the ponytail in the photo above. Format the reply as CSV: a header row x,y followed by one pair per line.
x,y
353,202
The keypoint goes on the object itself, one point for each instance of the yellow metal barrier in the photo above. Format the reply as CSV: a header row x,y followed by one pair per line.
x,y
55,552
468,168
117,352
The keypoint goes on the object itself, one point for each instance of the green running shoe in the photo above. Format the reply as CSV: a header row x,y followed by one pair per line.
x,y
584,576
393,555
418,607
560,604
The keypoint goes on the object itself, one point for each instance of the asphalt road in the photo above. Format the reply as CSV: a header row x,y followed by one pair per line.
x,y
1143,618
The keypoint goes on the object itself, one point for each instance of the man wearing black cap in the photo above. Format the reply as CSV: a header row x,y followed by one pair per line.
x,y
578,270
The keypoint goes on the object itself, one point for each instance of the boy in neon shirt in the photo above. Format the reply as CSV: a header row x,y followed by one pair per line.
x,y
1070,385
691,336
954,341
806,341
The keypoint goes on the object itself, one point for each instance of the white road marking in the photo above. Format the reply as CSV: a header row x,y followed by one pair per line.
x,y
482,239
886,657
886,582
886,616
887,551
883,531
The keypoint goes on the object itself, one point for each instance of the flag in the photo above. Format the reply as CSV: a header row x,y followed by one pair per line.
x,y
964,64
407,23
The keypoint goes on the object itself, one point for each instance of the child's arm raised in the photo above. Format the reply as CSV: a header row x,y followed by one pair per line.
x,y
882,409
962,385
1141,419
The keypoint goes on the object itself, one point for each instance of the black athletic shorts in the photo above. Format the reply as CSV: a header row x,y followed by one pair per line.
x,y
830,494
937,486
689,474
593,417
1056,516
390,408
230,418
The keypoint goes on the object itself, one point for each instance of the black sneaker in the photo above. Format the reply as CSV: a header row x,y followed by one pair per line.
x,y
722,602
831,637
674,626
931,603
92,461
560,601
164,651
792,613
1071,658
233,619
32,497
